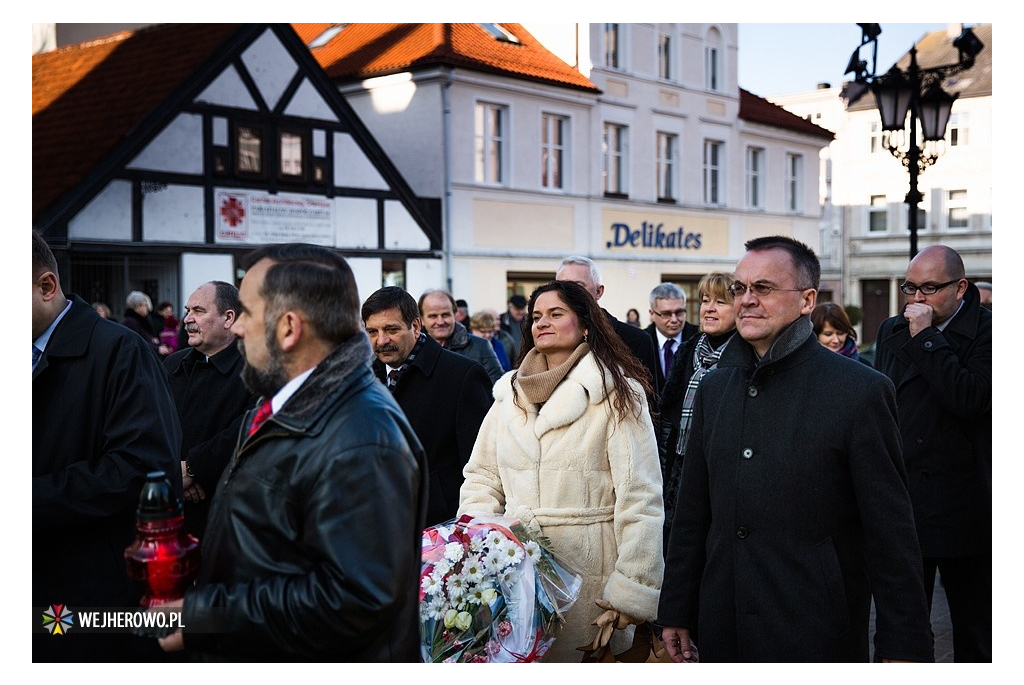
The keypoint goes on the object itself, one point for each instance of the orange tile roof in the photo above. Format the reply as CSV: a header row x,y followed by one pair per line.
x,y
757,109
89,97
361,50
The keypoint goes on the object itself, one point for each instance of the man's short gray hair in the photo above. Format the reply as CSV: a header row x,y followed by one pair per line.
x,y
667,291
595,275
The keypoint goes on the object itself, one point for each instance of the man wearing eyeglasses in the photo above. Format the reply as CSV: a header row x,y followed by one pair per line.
x,y
793,510
938,353
669,328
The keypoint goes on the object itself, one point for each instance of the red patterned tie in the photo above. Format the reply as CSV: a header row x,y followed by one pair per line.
x,y
263,413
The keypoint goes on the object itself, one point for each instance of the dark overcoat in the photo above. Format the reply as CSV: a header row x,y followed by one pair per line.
x,y
944,392
102,418
445,397
792,510
211,400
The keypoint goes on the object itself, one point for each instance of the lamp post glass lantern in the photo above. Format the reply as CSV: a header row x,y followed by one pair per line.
x,y
908,98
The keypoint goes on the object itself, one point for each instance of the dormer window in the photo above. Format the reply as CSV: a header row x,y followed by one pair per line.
x,y
499,33
325,37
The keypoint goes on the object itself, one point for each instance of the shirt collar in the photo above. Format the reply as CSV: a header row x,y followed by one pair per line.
x,y
285,393
43,339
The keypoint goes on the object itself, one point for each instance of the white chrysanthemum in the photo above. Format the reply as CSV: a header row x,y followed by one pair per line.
x,y
508,577
477,542
432,583
442,567
474,570
533,550
511,553
434,609
495,538
495,559
456,586
483,594
453,551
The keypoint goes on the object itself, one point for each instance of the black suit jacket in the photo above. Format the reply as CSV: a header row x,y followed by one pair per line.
x,y
689,330
445,396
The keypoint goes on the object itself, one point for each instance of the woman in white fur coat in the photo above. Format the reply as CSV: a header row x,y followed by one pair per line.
x,y
569,448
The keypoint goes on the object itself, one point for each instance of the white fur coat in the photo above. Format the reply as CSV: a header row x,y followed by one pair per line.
x,y
591,482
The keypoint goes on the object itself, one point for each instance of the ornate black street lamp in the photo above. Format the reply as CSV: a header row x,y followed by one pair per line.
x,y
915,91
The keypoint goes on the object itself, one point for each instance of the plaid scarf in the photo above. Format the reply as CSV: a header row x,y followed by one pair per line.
x,y
705,358
408,360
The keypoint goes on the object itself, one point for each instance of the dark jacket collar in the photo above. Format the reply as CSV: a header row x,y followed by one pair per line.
x,y
424,361
337,374
459,338
224,361
965,323
794,337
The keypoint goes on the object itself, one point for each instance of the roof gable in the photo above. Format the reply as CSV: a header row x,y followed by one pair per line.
x,y
756,109
100,107
365,49
87,98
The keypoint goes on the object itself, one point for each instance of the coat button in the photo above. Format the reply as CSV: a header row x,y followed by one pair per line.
x,y
748,453
928,345
752,391
741,532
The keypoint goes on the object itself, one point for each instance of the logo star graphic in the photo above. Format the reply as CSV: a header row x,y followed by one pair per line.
x,y
58,619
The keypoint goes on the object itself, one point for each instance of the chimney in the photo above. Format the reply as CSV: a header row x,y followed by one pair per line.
x,y
954,30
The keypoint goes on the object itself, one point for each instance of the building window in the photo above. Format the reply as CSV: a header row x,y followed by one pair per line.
x,y
325,37
552,152
490,143
713,61
666,166
614,152
713,156
957,130
392,273
794,182
611,46
922,219
249,150
499,33
877,214
956,209
291,147
755,177
664,56
879,138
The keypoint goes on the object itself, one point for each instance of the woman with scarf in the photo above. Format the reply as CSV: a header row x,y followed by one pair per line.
x,y
698,355
569,448
834,330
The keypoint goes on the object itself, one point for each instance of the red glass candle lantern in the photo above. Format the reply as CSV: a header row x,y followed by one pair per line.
x,y
164,559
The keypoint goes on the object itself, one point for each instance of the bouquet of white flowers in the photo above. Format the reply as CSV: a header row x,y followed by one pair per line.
x,y
490,591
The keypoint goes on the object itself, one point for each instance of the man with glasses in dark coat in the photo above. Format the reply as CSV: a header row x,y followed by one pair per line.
x,y
938,353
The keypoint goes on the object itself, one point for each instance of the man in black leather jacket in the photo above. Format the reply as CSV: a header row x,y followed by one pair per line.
x,y
312,552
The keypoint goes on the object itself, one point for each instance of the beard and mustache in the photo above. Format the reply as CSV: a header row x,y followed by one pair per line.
x,y
267,381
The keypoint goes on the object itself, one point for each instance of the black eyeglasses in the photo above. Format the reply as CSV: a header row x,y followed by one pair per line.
x,y
927,288
678,313
760,289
